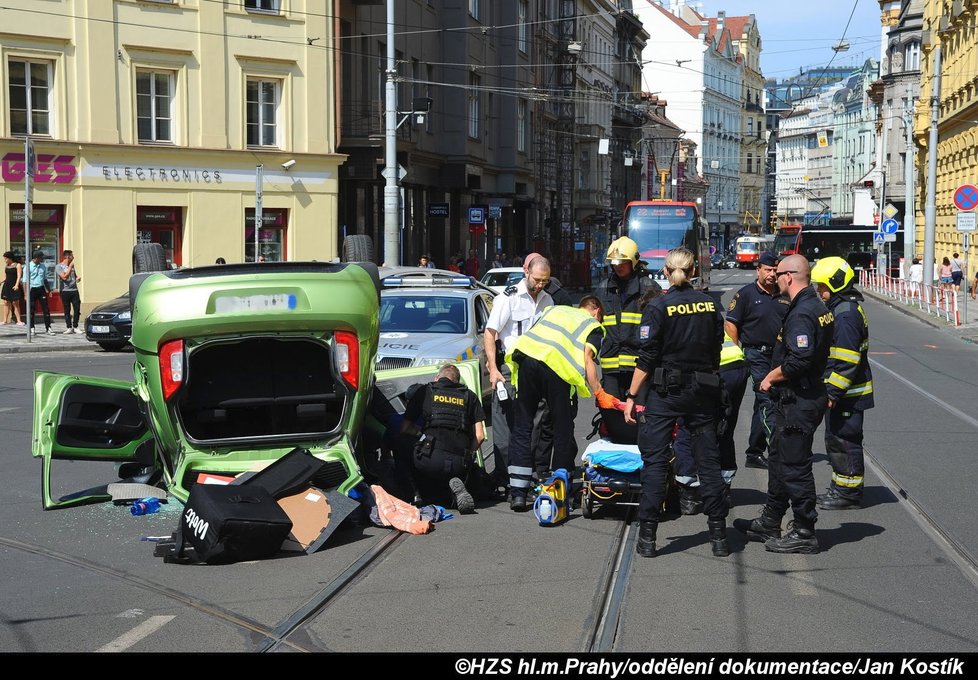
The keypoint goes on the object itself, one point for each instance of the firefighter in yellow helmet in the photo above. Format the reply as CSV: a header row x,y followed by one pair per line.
x,y
848,382
620,295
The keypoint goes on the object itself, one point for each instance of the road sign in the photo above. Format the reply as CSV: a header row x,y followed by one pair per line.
x,y
889,226
495,212
890,211
477,216
967,221
878,238
966,197
889,238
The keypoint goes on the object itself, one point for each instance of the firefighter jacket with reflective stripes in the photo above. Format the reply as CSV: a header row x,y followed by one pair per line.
x,y
559,339
848,378
622,316
731,355
685,332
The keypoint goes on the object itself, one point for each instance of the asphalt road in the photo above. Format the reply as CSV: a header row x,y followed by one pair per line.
x,y
896,576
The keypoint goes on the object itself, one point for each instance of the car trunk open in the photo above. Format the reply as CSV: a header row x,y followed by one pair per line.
x,y
261,387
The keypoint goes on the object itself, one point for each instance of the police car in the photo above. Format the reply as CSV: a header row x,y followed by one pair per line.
x,y
430,317
501,278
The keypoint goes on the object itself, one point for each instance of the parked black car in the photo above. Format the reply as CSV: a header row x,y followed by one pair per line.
x,y
110,324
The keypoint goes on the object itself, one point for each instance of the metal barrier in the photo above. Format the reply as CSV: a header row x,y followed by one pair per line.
x,y
934,300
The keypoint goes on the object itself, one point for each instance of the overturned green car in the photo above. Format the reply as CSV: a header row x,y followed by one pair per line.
x,y
235,366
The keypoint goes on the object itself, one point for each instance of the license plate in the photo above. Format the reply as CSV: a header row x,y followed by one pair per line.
x,y
100,329
255,303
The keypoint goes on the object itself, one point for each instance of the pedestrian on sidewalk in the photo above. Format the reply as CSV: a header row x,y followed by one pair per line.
x,y
946,278
37,273
916,277
12,292
974,286
68,286
956,271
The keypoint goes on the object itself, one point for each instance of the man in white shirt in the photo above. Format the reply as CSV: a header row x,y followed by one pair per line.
x,y
512,314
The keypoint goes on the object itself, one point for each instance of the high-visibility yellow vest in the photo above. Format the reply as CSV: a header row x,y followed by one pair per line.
x,y
730,353
558,339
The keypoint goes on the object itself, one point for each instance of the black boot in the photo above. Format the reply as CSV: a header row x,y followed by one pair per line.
x,y
756,460
718,537
837,502
690,502
761,528
797,539
829,493
646,539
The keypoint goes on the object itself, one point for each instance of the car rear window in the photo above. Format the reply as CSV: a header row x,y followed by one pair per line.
x,y
502,278
422,314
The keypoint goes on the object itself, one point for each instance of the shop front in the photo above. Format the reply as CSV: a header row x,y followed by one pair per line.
x,y
99,201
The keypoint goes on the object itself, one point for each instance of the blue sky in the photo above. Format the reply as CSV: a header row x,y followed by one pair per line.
x,y
800,33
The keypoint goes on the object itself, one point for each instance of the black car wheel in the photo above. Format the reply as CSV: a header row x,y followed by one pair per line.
x,y
148,257
358,248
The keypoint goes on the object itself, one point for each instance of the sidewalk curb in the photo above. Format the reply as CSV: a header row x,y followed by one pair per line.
x,y
928,319
32,348
904,309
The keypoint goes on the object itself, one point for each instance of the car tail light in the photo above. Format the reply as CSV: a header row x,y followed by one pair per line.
x,y
171,367
347,351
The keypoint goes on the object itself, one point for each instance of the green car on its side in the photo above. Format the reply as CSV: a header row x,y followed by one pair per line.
x,y
235,366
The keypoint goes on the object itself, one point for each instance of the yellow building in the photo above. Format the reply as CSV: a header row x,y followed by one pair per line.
x,y
149,119
952,25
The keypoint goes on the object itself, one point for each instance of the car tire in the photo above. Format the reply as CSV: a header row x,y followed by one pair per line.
x,y
111,346
148,257
358,248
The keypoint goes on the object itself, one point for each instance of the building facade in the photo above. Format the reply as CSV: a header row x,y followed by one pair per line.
x,y
149,120
952,26
753,134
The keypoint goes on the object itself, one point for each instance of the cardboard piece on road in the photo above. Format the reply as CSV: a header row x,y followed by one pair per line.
x,y
315,516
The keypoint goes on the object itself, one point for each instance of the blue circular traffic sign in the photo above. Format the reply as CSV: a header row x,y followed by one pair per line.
x,y
889,226
966,197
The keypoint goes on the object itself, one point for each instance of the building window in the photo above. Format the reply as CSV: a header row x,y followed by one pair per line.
x,y
30,97
262,5
750,126
474,8
911,57
261,103
521,125
474,84
154,97
522,40
750,162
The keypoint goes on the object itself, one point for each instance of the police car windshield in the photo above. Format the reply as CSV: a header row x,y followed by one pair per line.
x,y
422,314
659,229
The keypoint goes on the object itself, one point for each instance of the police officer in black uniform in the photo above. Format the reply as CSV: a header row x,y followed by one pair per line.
x,y
682,357
452,430
753,320
798,391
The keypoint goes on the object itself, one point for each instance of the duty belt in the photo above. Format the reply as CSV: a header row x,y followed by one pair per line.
x,y
763,349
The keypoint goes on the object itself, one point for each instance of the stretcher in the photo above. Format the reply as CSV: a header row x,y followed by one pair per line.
x,y
611,476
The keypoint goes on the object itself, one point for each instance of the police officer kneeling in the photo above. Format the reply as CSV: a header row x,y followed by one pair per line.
x,y
795,383
682,356
453,429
